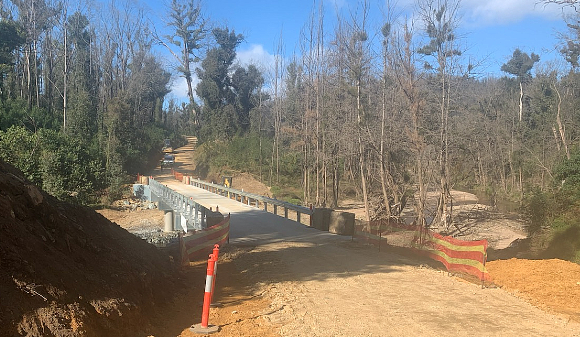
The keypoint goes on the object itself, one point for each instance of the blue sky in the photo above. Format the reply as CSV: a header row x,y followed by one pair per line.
x,y
490,29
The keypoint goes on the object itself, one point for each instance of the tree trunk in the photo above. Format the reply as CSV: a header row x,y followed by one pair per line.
x,y
521,100
65,78
362,153
382,145
561,128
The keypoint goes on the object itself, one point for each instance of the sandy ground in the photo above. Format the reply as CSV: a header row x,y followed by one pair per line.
x,y
472,220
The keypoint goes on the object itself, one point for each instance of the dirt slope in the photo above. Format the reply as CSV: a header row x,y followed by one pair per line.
x,y
68,271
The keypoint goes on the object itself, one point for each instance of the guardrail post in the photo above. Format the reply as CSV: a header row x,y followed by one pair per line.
x,y
298,216
286,212
265,206
275,209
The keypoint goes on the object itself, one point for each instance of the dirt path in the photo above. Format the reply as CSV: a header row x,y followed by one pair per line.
x,y
342,289
320,284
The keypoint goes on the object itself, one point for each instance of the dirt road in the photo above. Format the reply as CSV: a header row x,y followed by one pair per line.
x,y
320,284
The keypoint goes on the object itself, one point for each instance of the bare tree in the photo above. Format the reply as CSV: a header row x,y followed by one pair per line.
x,y
440,19
278,76
564,3
386,177
356,45
408,79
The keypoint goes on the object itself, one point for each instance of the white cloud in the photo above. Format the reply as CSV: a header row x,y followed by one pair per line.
x,y
256,55
480,13
179,88
493,12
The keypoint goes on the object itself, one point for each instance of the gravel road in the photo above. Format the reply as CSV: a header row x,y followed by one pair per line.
x,y
321,284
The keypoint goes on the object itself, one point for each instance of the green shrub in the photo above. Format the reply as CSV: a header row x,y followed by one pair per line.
x,y
59,164
565,244
537,208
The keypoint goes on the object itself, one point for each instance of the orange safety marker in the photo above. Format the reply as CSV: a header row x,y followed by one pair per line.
x,y
204,327
216,252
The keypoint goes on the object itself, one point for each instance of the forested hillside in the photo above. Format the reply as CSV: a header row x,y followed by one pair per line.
x,y
383,114
80,96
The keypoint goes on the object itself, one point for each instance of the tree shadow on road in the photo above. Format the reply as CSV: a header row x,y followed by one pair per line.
x,y
280,250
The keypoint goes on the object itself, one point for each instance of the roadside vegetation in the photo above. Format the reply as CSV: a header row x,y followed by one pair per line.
x,y
554,216
381,115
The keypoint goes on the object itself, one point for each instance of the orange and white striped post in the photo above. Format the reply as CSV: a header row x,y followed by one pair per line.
x,y
216,252
204,327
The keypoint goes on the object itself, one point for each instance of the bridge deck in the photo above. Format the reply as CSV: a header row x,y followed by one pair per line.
x,y
251,225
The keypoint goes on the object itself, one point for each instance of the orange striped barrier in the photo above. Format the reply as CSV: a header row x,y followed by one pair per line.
x,y
202,242
456,255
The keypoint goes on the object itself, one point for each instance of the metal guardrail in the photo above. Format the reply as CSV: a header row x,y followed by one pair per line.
x,y
250,198
192,214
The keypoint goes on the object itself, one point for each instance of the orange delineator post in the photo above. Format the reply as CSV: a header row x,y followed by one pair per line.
x,y
216,252
209,285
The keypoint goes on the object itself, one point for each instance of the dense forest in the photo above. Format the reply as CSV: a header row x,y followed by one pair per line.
x,y
383,116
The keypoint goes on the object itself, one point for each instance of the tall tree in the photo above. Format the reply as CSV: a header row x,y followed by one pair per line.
x,y
82,119
408,79
358,62
146,87
34,16
440,18
189,30
246,84
520,65
215,86
12,39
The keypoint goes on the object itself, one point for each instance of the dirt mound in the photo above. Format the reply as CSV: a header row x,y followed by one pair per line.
x,y
68,271
550,284
246,182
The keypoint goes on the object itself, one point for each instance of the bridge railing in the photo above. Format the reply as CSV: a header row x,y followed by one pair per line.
x,y
193,214
251,199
